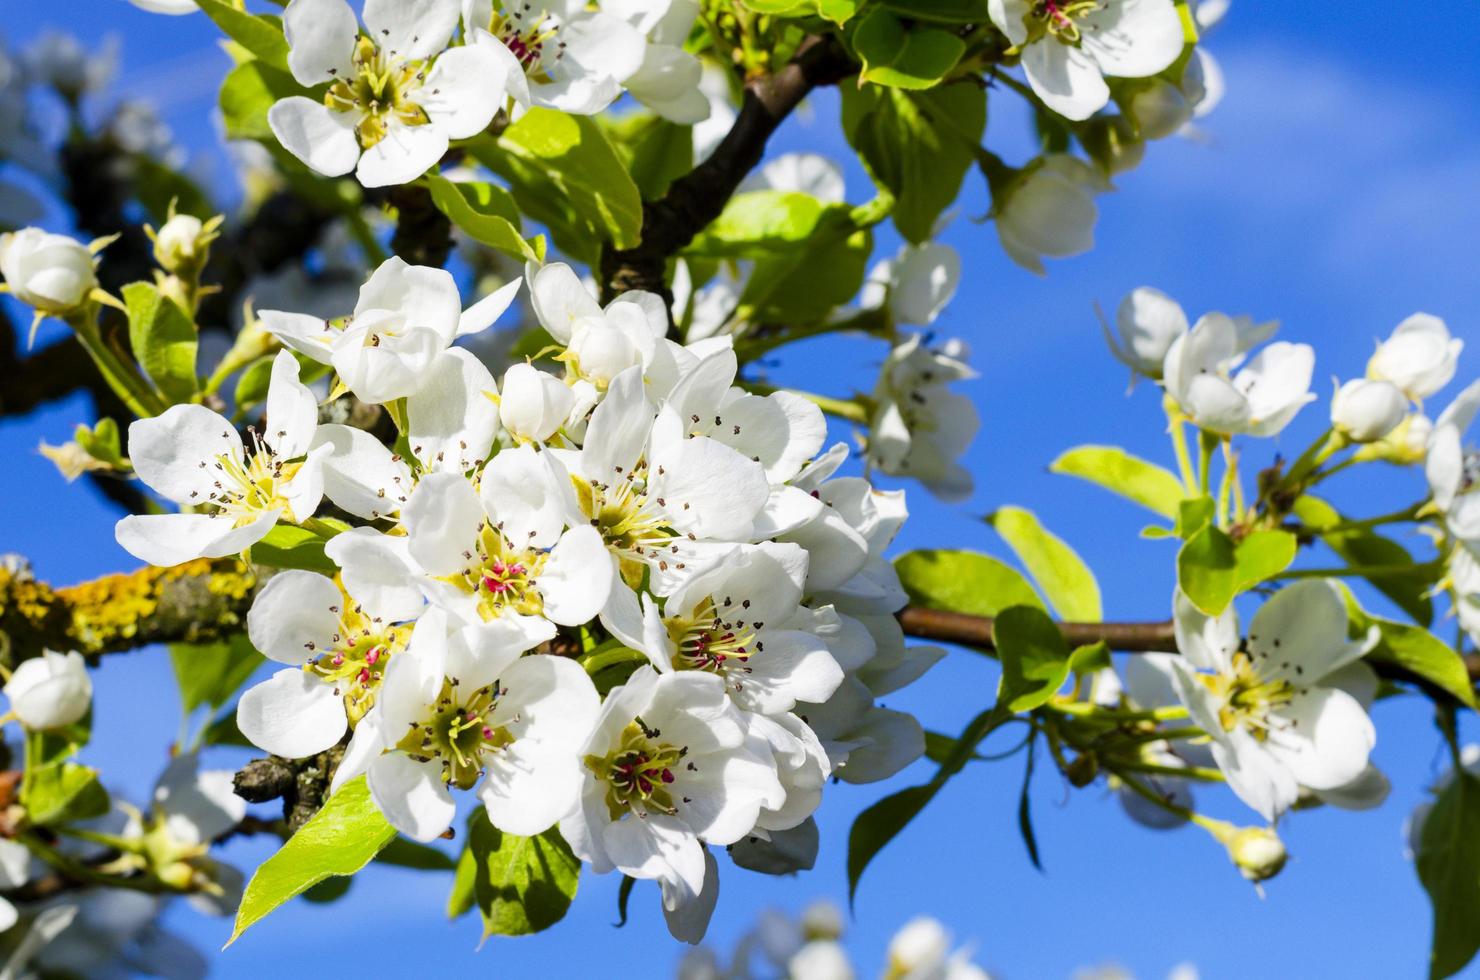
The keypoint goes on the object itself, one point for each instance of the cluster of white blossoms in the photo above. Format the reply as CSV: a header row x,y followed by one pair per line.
x,y
810,947
404,87
1285,704
728,585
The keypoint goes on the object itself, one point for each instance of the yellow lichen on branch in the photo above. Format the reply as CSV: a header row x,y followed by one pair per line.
x,y
194,602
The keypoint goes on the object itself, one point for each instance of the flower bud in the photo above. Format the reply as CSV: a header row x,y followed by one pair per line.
x,y
1048,210
822,920
533,404
1257,852
181,243
1112,143
1159,109
52,273
1420,357
50,691
821,960
72,459
922,942
1364,410
1406,445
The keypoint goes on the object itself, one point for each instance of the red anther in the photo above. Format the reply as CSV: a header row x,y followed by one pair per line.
x,y
667,776
487,732
373,657
338,660
364,676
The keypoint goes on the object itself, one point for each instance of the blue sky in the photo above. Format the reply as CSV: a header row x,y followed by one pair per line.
x,y
1336,191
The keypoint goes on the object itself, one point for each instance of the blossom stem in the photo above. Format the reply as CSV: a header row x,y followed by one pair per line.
x,y
1206,443
1409,513
1220,829
107,840
1326,444
595,663
1179,446
1086,709
1200,773
81,871
124,379
871,322
851,409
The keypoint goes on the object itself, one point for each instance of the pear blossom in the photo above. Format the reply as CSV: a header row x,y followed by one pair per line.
x,y
916,284
778,852
1149,322
668,79
669,767
1452,470
337,637
920,427
558,53
1159,109
734,619
1420,356
173,8
462,704
397,95
533,405
50,691
1464,578
196,458
15,871
406,316
1047,210
1364,410
1259,400
1276,718
658,498
599,343
503,551
1067,45
52,273
1405,445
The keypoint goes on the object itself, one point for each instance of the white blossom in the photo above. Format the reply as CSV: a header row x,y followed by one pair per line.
x,y
920,427
52,273
1068,45
1259,400
1149,322
1048,210
916,284
397,95
1420,356
1364,410
1452,471
50,691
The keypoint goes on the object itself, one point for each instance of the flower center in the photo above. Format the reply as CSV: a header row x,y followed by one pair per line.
x,y
640,773
1247,698
715,638
1059,19
456,732
631,522
363,645
380,92
527,36
245,489
501,575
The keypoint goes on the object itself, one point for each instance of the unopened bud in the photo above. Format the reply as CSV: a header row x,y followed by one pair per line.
x,y
1112,143
1258,853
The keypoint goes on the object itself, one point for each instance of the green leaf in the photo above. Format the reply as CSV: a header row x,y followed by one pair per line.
x,y
1448,864
1116,470
917,144
657,151
249,90
838,11
565,174
1193,515
1207,570
102,441
164,341
63,792
1034,655
1091,658
262,35
1262,555
224,731
1061,574
808,281
522,885
1362,546
1416,650
328,890
773,6
900,57
1025,810
340,839
289,546
963,581
210,673
487,213
755,224
460,899
624,894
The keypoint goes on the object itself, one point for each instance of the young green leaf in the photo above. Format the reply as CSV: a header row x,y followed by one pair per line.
x,y
63,792
164,340
247,93
963,581
1362,546
900,56
522,885
260,34
1060,573
1034,655
1207,570
210,673
340,839
1416,650
487,213
1448,863
1156,489
287,546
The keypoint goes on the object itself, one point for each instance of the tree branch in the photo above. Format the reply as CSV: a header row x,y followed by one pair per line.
x,y
196,602
976,632
697,198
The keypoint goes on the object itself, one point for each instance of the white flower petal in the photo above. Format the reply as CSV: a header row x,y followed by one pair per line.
x,y
292,714
176,453
412,795
169,539
322,138
442,519
451,421
294,617
411,30
321,38
577,577
402,155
